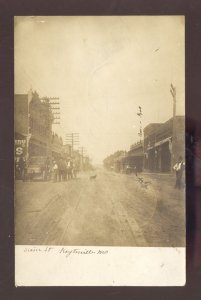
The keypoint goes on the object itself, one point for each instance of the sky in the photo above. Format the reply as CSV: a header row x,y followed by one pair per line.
x,y
102,68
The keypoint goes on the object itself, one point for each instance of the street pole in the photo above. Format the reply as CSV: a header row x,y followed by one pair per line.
x,y
28,136
73,140
140,116
53,105
141,132
82,152
173,93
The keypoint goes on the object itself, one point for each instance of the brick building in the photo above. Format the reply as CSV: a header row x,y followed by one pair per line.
x,y
21,126
33,120
163,144
56,145
40,127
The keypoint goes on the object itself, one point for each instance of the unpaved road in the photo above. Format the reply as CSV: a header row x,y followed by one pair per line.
x,y
111,210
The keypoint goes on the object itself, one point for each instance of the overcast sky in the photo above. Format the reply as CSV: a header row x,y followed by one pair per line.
x,y
102,69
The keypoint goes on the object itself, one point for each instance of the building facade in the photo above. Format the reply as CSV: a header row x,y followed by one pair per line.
x,y
21,125
160,149
135,157
40,127
163,144
33,120
56,146
67,151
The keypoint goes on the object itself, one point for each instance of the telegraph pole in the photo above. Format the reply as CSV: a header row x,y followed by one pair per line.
x,y
73,140
173,93
140,114
54,106
82,151
53,117
140,129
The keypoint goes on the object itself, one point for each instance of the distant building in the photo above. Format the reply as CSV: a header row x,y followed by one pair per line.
x,y
135,157
67,151
115,161
120,162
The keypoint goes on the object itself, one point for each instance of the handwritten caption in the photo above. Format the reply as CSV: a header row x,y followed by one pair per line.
x,y
65,251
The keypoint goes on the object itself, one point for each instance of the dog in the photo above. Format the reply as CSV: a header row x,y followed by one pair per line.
x,y
143,183
93,177
141,180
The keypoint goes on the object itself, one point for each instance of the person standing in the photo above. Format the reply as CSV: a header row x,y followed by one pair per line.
x,y
64,170
179,168
47,169
55,171
21,165
135,169
70,169
60,169
25,175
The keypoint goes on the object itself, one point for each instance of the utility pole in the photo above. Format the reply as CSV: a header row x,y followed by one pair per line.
x,y
53,117
82,152
28,136
173,93
73,140
54,106
140,116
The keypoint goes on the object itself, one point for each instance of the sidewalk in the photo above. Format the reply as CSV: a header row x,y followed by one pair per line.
x,y
168,222
163,178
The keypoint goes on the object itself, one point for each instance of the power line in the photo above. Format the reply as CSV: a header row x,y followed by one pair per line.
x,y
55,110
72,139
83,153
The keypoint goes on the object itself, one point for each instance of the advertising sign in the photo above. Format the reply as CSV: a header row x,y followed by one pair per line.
x,y
20,147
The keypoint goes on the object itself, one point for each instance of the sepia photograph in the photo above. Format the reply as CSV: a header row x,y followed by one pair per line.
x,y
99,117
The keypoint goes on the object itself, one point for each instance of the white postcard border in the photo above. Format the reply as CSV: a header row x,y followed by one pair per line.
x,y
99,266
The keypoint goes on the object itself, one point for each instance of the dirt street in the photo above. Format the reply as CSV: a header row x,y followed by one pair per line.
x,y
112,209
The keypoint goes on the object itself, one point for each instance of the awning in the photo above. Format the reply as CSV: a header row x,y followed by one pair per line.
x,y
163,141
136,155
160,143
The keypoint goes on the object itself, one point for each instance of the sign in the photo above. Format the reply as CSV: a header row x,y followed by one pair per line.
x,y
20,147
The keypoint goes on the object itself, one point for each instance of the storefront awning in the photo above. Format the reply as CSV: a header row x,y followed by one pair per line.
x,y
163,141
160,143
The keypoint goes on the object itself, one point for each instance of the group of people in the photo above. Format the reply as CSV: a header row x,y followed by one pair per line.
x,y
64,170
58,170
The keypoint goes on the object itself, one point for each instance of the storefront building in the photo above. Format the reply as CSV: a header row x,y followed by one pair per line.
x,y
163,144
33,120
56,146
135,157
21,126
